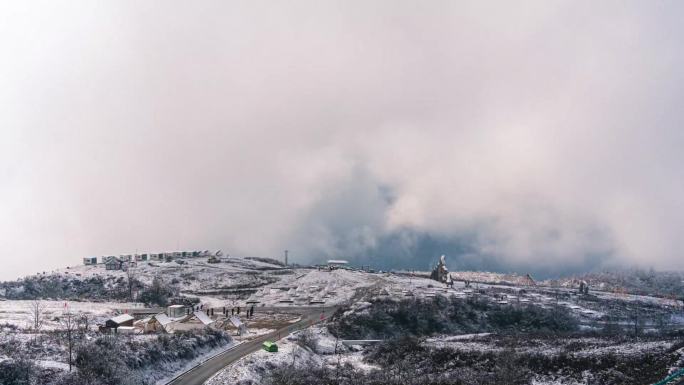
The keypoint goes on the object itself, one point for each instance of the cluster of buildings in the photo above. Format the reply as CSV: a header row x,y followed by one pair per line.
x,y
122,261
176,318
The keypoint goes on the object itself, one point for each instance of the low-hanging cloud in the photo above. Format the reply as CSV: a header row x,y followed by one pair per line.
x,y
541,136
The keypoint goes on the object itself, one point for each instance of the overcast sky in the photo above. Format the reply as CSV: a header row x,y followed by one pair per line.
x,y
539,136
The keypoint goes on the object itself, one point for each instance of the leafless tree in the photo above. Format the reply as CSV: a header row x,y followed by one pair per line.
x,y
69,328
306,339
131,276
37,313
295,347
84,323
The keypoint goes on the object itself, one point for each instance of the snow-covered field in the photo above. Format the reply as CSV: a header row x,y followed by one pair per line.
x,y
20,312
194,275
234,281
314,288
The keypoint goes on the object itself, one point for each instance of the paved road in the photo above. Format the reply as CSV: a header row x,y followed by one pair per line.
x,y
200,374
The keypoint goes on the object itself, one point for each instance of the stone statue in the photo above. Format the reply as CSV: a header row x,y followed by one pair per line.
x,y
583,287
440,273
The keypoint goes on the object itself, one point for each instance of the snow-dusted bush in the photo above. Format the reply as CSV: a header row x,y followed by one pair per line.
x,y
57,286
17,371
307,339
267,260
423,317
410,361
158,293
120,360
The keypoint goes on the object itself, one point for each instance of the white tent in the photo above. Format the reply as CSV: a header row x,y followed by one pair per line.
x,y
241,327
203,318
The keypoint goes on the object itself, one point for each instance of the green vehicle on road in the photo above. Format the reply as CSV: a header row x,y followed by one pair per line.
x,y
270,346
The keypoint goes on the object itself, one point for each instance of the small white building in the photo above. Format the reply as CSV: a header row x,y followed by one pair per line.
x,y
337,263
90,261
176,311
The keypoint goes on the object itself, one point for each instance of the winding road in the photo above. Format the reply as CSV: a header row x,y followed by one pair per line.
x,y
200,374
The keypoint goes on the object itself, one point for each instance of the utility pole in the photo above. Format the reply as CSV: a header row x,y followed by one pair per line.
x,y
286,251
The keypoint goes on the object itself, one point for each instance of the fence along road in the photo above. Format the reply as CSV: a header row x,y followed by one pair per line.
x,y
200,374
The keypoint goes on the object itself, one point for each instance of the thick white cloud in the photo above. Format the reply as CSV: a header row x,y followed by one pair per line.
x,y
544,133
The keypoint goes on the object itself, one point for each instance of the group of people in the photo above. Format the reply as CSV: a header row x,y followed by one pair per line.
x,y
236,311
233,311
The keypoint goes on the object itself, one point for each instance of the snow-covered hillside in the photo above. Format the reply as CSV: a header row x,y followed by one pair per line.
x,y
487,312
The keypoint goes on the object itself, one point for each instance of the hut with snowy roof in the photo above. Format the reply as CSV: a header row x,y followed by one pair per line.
x,y
113,263
162,322
196,320
115,323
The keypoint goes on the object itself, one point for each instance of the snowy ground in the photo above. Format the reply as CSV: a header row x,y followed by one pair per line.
x,y
581,347
194,275
182,367
401,286
252,369
244,283
49,352
254,366
588,309
236,280
314,288
19,313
